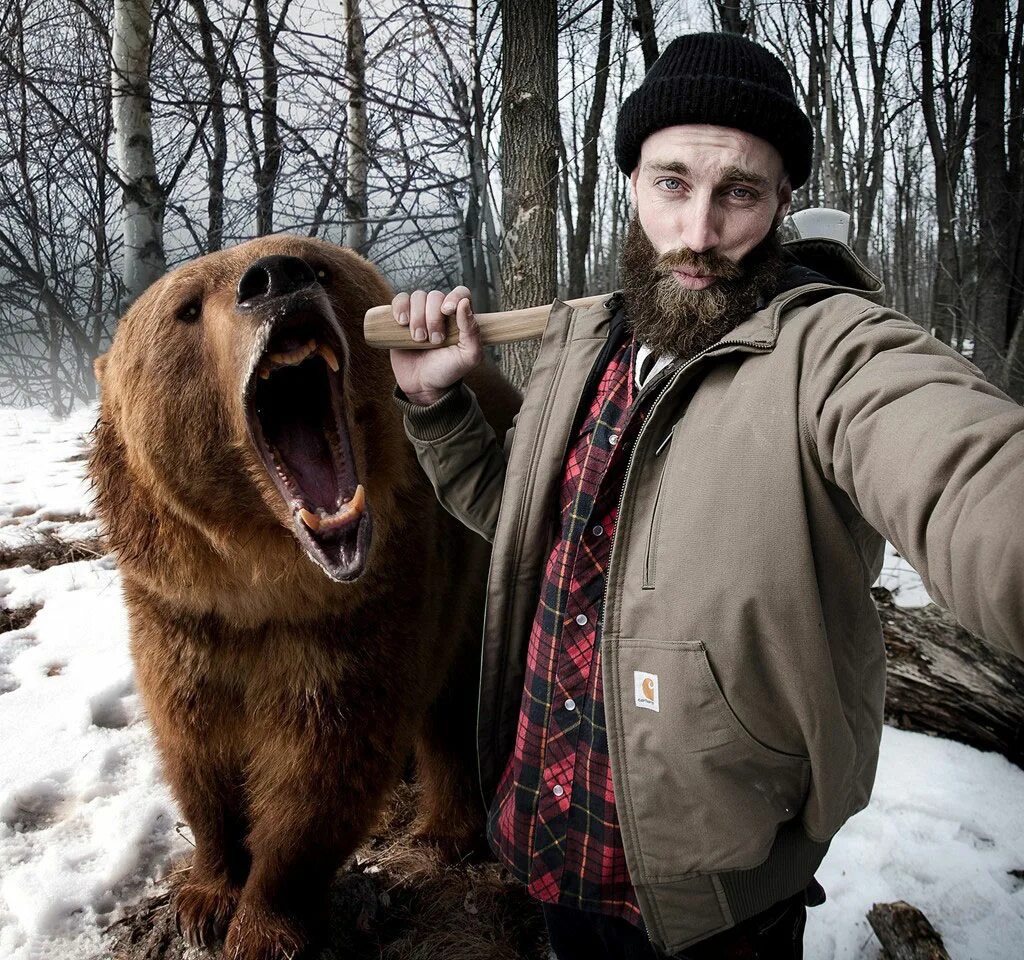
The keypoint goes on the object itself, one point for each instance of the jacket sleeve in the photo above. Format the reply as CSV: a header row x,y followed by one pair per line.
x,y
931,455
459,452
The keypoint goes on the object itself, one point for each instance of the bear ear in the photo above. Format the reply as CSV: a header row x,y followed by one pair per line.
x,y
98,366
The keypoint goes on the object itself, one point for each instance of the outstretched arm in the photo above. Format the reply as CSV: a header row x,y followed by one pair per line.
x,y
931,455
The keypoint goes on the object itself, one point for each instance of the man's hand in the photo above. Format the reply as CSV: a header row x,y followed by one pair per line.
x,y
424,375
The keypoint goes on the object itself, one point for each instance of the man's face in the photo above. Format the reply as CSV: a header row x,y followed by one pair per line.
x,y
701,252
710,190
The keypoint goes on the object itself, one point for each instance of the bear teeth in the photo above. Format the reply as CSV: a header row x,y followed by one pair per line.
x,y
355,507
297,356
328,354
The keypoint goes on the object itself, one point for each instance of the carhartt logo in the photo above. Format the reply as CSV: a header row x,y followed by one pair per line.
x,y
645,687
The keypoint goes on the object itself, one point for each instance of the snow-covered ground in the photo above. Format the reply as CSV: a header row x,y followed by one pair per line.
x,y
88,826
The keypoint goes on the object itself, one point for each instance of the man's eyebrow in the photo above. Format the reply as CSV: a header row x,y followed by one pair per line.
x,y
731,174
736,174
667,166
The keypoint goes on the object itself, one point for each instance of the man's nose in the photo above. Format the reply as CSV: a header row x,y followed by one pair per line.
x,y
271,277
700,226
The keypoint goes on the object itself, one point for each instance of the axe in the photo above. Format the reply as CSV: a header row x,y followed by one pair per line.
x,y
505,326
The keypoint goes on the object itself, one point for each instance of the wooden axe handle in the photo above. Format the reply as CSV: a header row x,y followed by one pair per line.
x,y
505,326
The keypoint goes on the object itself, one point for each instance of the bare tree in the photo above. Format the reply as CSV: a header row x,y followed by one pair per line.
x,y
579,237
529,165
144,197
217,155
355,72
946,104
730,16
267,163
999,158
644,27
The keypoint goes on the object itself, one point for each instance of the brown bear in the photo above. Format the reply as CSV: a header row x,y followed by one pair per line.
x,y
266,509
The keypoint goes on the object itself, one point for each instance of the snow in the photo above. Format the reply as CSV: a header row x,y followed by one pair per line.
x,y
88,827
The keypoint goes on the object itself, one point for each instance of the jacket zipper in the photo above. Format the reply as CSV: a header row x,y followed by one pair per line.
x,y
757,345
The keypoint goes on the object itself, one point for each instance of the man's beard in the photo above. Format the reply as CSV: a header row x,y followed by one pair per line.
x,y
672,319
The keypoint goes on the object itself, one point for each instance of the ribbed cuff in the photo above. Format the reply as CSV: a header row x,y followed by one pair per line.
x,y
439,418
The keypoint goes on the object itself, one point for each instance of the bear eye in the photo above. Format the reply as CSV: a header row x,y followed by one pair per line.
x,y
190,310
322,273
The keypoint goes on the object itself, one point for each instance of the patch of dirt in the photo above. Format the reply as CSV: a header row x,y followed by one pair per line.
x,y
45,550
19,617
394,901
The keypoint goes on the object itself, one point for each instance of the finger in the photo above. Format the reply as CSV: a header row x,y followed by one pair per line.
x,y
400,308
453,298
469,331
435,319
417,316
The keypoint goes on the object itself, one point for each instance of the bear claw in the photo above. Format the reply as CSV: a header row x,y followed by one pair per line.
x,y
258,933
203,911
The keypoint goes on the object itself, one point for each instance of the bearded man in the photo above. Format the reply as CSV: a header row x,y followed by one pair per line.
x,y
683,673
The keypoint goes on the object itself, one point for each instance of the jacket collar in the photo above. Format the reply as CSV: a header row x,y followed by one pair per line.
x,y
816,265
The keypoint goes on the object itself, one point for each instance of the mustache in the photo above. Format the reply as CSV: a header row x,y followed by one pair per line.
x,y
707,263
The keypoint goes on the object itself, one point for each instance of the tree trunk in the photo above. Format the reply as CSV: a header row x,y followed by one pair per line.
x,y
217,161
266,174
143,196
529,166
731,17
995,239
355,77
644,26
579,238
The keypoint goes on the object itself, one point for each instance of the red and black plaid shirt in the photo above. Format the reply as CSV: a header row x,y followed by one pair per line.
x,y
553,820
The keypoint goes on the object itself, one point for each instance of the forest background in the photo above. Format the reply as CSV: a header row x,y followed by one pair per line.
x,y
471,142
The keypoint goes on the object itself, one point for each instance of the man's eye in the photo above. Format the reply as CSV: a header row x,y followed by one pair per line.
x,y
671,184
742,193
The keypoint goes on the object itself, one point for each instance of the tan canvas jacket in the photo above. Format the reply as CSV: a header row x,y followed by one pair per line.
x,y
750,529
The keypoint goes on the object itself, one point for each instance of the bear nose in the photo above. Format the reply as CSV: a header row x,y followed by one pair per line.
x,y
272,277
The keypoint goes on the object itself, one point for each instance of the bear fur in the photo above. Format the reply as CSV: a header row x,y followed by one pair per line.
x,y
287,692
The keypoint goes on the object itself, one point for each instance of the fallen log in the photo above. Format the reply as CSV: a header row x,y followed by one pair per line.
x,y
905,933
944,681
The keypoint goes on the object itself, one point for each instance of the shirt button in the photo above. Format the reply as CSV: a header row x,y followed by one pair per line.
x,y
570,704
598,530
558,790
613,439
581,619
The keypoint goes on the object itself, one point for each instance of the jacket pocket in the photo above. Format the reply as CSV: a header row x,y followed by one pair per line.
x,y
651,555
696,792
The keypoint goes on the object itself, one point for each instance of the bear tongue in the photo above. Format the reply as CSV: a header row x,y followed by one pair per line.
x,y
307,457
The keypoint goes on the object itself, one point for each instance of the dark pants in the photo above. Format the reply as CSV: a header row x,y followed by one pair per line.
x,y
775,934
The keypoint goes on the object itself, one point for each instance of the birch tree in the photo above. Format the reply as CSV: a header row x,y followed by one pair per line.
x,y
143,196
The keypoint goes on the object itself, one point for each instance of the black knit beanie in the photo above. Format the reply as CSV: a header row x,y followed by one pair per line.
x,y
721,79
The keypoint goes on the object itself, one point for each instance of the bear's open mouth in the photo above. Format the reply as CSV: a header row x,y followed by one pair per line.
x,y
296,415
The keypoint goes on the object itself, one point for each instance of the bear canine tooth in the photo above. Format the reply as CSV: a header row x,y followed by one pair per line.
x,y
348,510
311,520
293,357
328,354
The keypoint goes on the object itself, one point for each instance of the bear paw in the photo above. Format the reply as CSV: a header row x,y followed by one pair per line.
x,y
258,933
203,911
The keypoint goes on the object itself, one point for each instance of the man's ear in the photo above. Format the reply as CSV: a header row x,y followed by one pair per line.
x,y
632,184
785,200
98,366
